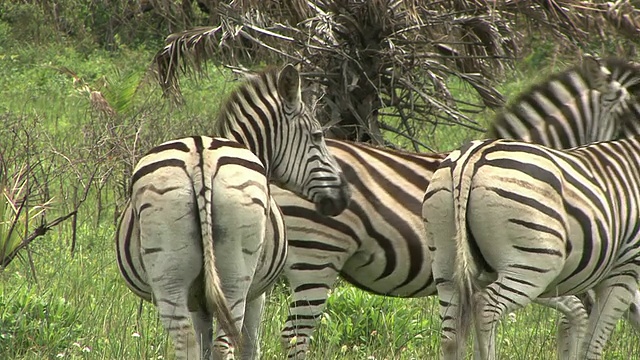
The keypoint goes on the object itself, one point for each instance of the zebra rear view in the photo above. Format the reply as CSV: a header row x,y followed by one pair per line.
x,y
202,235
530,222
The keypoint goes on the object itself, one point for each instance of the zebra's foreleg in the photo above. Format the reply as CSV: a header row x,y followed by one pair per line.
x,y
203,325
613,296
572,325
251,329
308,299
633,314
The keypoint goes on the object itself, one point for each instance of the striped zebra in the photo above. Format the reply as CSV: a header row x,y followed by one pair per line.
x,y
378,243
530,221
195,196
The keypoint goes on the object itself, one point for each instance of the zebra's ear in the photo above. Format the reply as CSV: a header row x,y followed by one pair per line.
x,y
598,76
289,84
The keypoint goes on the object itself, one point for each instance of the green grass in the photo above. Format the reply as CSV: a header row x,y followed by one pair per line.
x,y
76,306
78,309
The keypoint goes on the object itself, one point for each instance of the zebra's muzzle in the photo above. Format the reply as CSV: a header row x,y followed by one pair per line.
x,y
334,202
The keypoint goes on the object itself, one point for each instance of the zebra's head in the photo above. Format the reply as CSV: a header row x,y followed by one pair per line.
x,y
267,115
627,75
302,163
617,81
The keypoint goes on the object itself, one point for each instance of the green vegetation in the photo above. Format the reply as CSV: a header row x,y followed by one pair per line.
x,y
64,299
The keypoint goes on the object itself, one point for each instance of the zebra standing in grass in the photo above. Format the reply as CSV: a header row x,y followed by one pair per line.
x,y
199,195
378,244
530,221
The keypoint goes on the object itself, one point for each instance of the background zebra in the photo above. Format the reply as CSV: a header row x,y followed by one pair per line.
x,y
378,244
528,222
190,193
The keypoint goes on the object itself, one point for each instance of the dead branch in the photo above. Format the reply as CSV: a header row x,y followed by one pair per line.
x,y
41,230
397,55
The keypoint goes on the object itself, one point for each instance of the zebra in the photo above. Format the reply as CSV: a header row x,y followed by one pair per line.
x,y
196,195
539,115
530,221
378,243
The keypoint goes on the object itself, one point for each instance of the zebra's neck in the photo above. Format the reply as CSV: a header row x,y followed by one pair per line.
x,y
248,134
250,116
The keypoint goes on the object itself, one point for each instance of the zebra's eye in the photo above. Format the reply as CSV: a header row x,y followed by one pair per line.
x,y
316,136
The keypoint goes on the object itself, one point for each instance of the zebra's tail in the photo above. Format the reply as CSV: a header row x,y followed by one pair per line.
x,y
466,267
216,301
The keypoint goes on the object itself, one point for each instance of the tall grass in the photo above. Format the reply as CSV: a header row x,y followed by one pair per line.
x,y
75,305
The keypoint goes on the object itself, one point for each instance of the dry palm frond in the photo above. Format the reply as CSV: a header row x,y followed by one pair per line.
x,y
624,17
397,55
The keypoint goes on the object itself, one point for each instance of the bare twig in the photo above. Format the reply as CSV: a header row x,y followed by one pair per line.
x,y
38,232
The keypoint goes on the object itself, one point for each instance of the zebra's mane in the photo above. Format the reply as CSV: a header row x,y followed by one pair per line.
x,y
250,85
617,66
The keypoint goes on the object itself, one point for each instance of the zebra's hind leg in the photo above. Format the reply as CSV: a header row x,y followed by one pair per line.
x,y
632,315
511,291
203,325
172,259
251,329
572,325
612,298
440,231
239,202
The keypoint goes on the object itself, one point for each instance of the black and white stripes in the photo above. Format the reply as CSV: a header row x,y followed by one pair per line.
x,y
193,197
593,101
378,243
528,222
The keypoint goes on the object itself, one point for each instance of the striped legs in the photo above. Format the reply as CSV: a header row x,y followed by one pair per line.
x,y
172,265
308,299
503,296
438,226
612,298
203,326
572,325
251,329
239,206
632,315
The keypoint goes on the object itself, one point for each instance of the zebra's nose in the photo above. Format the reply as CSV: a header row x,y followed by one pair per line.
x,y
334,203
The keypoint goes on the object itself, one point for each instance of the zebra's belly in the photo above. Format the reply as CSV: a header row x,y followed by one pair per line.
x,y
370,271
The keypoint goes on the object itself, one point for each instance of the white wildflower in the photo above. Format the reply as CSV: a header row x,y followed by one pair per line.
x,y
293,340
